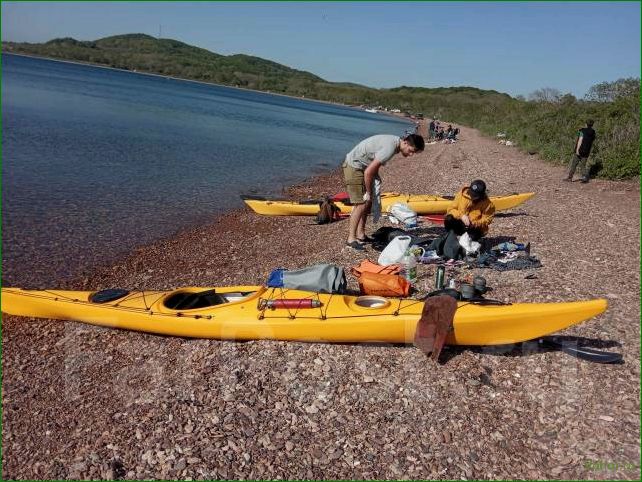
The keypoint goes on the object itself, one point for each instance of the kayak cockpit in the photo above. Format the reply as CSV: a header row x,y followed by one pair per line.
x,y
185,300
190,300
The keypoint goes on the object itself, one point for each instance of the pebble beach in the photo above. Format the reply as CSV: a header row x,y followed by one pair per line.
x,y
84,402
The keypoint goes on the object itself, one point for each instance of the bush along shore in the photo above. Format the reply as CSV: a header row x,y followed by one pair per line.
x,y
84,402
546,124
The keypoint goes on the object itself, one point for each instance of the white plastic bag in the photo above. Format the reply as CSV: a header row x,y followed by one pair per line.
x,y
404,214
394,251
468,244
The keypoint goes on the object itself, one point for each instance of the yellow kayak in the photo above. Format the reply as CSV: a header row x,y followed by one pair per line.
x,y
420,203
256,312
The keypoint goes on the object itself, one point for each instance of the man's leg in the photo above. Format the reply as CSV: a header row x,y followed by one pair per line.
x,y
356,189
357,221
572,166
584,169
361,226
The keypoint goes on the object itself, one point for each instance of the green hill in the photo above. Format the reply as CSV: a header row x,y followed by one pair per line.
x,y
547,126
144,53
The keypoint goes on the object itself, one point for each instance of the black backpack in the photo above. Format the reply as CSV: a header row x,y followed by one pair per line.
x,y
328,212
447,246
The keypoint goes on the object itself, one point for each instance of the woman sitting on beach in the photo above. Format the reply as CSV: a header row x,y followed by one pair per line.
x,y
471,211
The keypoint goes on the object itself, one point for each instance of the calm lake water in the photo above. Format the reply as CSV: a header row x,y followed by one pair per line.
x,y
96,161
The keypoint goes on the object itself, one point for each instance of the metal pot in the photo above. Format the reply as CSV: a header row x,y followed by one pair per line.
x,y
479,283
467,291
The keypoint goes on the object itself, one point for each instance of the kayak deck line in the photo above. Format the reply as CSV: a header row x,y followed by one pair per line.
x,y
142,295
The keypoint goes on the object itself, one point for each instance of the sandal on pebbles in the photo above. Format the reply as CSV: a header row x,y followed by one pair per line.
x,y
356,245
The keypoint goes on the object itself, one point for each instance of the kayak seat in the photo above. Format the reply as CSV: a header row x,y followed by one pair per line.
x,y
105,296
192,301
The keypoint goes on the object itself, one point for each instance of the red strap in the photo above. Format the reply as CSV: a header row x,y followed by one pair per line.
x,y
341,196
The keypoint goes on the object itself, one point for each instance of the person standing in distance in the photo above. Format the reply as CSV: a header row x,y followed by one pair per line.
x,y
361,168
431,130
585,138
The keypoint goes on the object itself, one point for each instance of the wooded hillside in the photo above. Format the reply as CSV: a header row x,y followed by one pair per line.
x,y
546,124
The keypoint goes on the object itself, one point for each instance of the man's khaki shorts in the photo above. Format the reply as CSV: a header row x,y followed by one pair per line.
x,y
355,184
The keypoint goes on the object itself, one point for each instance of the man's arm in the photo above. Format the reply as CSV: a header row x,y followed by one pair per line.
x,y
578,144
369,175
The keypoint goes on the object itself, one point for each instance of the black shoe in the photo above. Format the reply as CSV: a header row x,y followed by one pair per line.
x,y
584,180
365,239
356,245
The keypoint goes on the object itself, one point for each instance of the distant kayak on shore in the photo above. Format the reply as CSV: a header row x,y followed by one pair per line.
x,y
420,203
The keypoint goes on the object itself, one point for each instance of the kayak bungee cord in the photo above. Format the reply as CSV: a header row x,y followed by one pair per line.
x,y
292,313
264,304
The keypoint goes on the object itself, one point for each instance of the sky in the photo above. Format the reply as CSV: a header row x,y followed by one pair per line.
x,y
511,47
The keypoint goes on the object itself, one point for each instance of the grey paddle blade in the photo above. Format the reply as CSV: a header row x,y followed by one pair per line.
x,y
584,353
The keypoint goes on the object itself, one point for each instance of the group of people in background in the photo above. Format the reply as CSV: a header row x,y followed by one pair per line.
x,y
437,132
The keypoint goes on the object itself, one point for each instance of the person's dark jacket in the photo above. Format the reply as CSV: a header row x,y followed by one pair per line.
x,y
588,136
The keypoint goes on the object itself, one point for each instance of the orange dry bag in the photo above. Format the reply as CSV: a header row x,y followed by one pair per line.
x,y
383,284
367,266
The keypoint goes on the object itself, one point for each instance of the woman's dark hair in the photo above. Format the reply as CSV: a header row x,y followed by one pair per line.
x,y
416,141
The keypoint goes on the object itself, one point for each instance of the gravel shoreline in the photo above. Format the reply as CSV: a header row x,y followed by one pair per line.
x,y
94,403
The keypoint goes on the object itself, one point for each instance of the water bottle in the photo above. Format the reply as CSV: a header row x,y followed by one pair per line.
x,y
409,267
440,277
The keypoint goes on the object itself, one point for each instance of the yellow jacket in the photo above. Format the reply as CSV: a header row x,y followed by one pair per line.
x,y
479,212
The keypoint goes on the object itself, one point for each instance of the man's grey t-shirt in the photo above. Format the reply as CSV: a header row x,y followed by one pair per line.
x,y
380,147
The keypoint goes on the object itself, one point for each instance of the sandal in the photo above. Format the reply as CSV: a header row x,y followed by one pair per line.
x,y
356,245
365,239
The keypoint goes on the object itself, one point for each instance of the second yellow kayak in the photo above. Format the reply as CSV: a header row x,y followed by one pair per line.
x,y
420,203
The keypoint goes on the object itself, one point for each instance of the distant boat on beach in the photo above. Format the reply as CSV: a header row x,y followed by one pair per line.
x,y
372,111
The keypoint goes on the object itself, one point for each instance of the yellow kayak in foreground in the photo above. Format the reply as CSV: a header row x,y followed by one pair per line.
x,y
420,203
244,313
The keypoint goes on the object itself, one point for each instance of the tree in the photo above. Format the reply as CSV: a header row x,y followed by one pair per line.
x,y
545,94
567,99
610,91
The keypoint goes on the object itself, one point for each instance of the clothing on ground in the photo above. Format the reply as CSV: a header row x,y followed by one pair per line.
x,y
506,263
